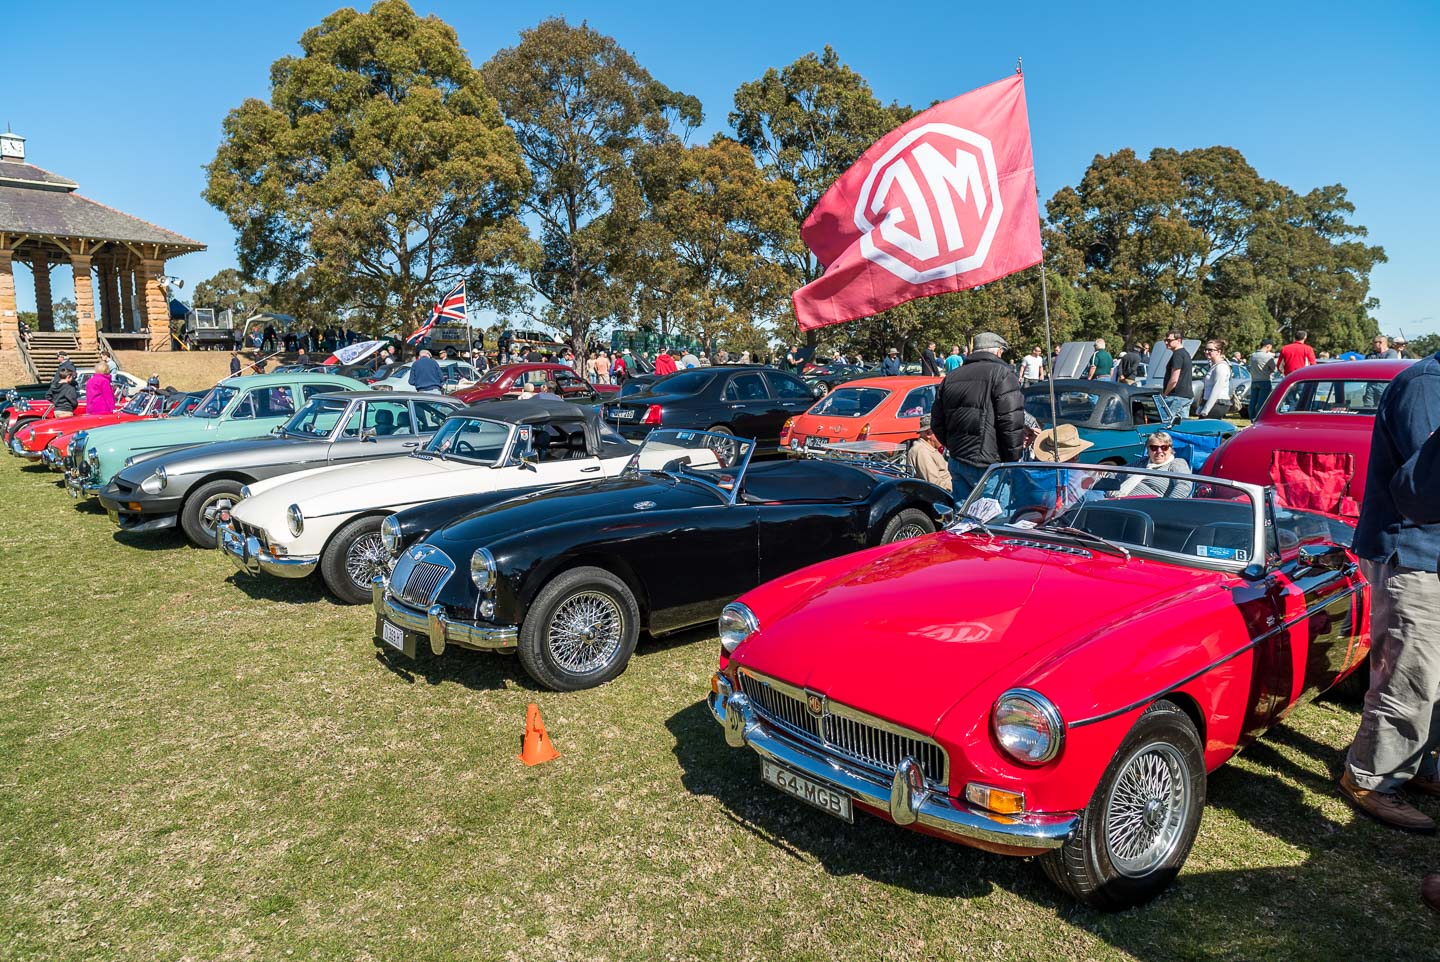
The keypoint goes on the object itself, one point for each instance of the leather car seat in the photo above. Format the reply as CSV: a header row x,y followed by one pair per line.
x,y
384,423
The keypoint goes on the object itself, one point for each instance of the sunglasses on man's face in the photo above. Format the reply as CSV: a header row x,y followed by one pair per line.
x,y
1159,447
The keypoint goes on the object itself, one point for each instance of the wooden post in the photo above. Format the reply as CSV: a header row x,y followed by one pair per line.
x,y
84,302
127,299
9,313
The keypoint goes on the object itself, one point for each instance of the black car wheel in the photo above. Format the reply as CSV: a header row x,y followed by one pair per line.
x,y
724,447
201,511
1139,827
910,523
352,558
581,630
823,387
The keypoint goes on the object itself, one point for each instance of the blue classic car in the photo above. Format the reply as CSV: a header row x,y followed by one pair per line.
x,y
1116,418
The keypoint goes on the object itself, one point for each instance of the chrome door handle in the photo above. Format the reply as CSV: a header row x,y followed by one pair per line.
x,y
590,470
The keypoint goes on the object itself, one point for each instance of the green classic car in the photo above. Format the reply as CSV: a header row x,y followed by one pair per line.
x,y
237,407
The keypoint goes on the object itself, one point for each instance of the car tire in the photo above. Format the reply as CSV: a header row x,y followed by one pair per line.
x,y
1162,761
197,514
824,388
354,555
554,655
727,455
910,523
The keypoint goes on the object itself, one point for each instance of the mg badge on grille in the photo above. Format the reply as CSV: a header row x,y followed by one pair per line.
x,y
815,703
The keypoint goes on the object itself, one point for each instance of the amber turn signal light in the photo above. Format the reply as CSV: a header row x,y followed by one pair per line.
x,y
995,799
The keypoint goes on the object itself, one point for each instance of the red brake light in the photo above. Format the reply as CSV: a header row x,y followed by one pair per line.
x,y
865,431
652,414
785,431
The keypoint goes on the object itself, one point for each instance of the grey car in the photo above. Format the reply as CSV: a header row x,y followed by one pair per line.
x,y
196,486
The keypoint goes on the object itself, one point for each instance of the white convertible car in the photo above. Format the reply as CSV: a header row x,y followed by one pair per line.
x,y
329,518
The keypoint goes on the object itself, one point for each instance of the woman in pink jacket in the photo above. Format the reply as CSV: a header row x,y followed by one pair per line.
x,y
99,394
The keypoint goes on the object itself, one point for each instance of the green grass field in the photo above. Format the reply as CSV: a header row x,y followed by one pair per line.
x,y
200,767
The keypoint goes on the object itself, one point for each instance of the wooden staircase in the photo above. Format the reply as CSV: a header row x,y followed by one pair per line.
x,y
43,346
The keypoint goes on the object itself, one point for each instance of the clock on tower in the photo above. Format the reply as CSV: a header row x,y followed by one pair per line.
x,y
12,146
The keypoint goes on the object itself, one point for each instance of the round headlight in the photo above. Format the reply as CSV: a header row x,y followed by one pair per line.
x,y
390,535
296,519
161,478
482,569
1028,726
737,623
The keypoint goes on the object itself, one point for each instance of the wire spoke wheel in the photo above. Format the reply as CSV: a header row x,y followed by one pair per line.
x,y
585,631
365,558
908,531
1147,809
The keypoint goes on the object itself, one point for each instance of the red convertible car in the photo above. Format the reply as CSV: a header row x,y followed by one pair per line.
x,y
1053,674
1312,438
30,440
558,379
177,405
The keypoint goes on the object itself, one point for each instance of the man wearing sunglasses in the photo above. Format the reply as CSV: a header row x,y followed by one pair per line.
x,y
1178,372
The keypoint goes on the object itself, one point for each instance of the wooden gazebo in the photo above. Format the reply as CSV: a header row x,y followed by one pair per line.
x,y
44,223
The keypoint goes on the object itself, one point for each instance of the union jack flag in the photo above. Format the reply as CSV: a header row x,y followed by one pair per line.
x,y
450,308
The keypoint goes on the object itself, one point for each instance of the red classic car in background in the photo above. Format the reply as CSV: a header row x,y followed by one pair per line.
x,y
873,409
1312,438
558,379
1047,681
30,440
177,405
26,411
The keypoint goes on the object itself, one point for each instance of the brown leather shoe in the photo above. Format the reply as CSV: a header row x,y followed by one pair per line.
x,y
1425,785
1430,890
1386,807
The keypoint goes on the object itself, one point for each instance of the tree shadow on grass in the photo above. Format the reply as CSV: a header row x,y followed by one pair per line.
x,y
1352,887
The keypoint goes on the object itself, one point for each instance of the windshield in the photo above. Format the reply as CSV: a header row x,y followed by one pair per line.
x,y
1099,508
470,439
1324,396
850,402
317,419
688,382
215,402
716,459
138,404
493,375
181,405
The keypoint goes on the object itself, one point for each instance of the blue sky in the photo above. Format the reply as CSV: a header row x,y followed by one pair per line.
x,y
127,99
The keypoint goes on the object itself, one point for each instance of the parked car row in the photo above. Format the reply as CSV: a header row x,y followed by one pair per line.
x,y
1050,668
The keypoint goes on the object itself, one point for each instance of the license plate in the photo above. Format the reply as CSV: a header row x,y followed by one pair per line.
x,y
622,414
392,635
798,786
816,442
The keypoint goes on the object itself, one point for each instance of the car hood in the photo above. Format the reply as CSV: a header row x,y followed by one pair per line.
x,y
347,488
893,637
84,422
249,453
606,507
150,433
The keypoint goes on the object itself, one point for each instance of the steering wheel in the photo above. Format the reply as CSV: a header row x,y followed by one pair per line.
x,y
464,448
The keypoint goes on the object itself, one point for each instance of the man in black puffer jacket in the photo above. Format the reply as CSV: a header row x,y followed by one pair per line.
x,y
979,414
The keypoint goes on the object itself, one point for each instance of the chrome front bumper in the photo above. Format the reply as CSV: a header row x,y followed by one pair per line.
x,y
434,624
17,448
249,556
900,799
80,489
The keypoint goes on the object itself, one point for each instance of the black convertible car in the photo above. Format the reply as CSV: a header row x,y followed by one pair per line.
x,y
571,575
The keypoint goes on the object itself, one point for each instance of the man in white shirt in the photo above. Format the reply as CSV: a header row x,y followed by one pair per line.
x,y
1032,368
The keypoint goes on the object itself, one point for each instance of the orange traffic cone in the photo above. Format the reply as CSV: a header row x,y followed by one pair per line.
x,y
535,747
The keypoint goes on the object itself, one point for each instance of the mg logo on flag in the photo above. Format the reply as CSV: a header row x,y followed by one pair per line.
x,y
930,205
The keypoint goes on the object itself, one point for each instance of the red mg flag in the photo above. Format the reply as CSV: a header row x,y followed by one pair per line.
x,y
944,203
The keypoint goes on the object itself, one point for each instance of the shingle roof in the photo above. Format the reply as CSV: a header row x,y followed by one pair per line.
x,y
32,176
26,210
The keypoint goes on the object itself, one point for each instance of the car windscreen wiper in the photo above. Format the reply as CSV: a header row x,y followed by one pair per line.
x,y
1089,537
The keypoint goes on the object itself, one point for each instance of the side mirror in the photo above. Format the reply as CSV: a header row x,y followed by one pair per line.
x,y
368,434
1326,557
278,430
945,512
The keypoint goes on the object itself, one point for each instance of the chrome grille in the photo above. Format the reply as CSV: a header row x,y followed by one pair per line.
x,y
420,572
842,731
424,578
